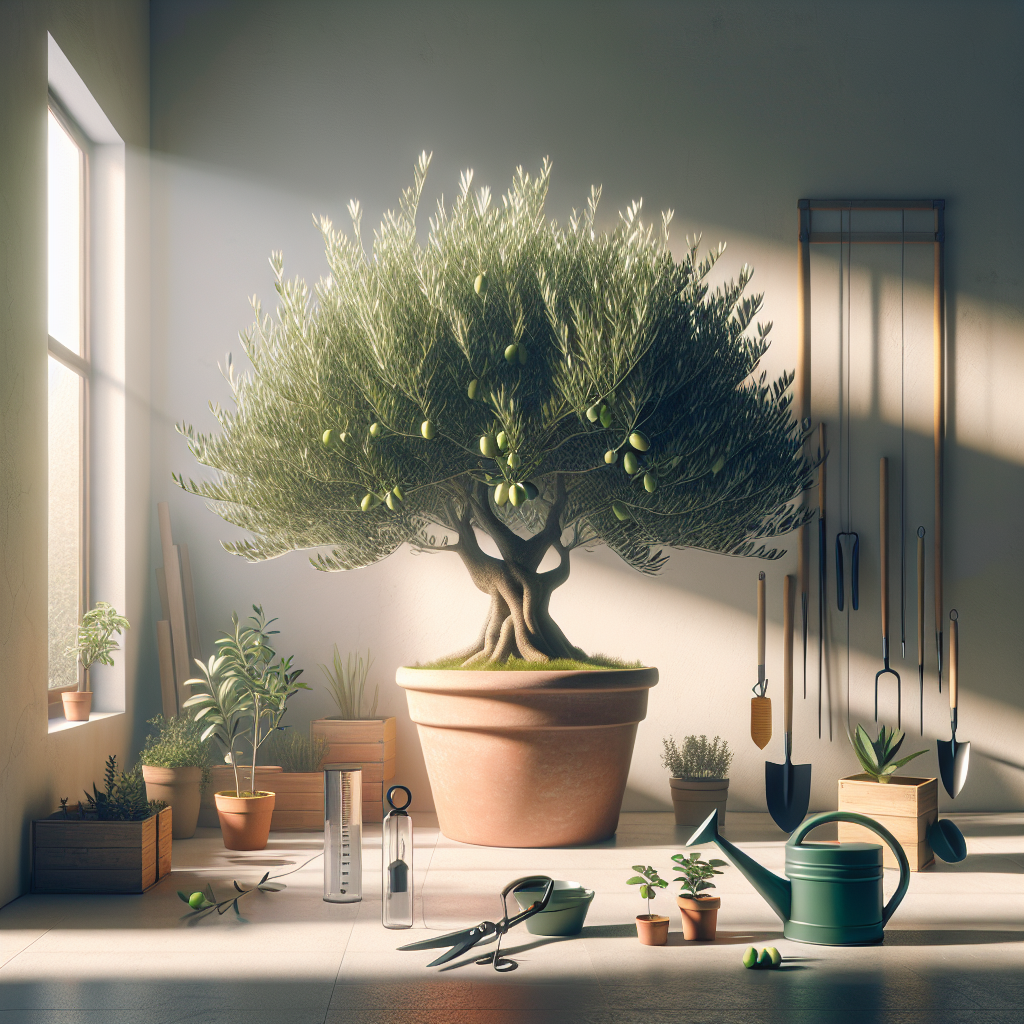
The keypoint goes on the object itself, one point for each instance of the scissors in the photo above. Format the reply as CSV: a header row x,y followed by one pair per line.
x,y
464,940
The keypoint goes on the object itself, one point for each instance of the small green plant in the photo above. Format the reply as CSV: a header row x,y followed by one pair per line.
x,y
695,873
649,881
697,758
203,901
294,752
876,756
123,797
347,682
178,743
95,639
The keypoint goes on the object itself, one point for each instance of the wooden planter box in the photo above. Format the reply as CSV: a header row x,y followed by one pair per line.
x,y
299,803
905,806
222,776
72,855
371,743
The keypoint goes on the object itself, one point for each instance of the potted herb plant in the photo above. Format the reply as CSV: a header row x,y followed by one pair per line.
x,y
94,643
700,911
118,840
240,701
299,788
651,929
552,386
356,735
905,805
176,768
699,779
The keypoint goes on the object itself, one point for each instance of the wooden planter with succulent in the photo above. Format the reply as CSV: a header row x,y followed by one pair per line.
x,y
651,929
698,907
699,777
94,644
176,769
906,806
354,737
117,842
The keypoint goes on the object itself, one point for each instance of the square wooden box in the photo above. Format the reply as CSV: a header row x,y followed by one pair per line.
x,y
371,743
905,806
71,855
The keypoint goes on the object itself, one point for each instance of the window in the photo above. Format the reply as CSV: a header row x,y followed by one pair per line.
x,y
68,397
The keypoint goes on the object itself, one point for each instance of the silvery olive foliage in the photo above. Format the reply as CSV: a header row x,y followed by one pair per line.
x,y
554,385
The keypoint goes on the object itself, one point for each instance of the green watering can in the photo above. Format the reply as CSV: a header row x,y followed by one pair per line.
x,y
832,895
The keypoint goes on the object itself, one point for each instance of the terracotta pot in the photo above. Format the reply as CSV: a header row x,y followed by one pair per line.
x,y
694,799
652,929
179,788
527,759
245,820
700,916
222,777
77,705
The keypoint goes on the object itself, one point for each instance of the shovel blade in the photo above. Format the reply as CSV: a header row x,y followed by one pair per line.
x,y
787,788
954,759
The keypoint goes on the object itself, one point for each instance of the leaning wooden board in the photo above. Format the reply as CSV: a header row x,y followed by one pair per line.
x,y
70,855
371,743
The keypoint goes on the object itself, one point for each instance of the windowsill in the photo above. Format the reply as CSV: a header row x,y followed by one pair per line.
x,y
62,724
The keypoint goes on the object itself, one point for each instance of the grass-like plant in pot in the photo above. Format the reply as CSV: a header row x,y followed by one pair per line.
x,y
240,702
699,777
176,768
698,907
94,644
553,386
651,929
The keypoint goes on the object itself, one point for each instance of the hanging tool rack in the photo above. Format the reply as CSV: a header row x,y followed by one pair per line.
x,y
809,235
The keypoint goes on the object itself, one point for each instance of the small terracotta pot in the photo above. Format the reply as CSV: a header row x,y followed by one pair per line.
x,y
652,929
700,917
244,820
179,788
694,799
77,705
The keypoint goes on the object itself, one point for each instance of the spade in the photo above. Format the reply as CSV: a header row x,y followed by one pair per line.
x,y
954,756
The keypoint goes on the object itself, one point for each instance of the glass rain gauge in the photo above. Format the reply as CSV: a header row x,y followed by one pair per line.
x,y
396,860
343,833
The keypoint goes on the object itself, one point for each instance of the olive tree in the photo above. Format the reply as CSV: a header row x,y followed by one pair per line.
x,y
550,385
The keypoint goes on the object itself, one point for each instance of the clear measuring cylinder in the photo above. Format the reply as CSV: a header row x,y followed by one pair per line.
x,y
343,833
396,848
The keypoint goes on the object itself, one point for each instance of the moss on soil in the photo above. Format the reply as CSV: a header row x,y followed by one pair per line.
x,y
596,663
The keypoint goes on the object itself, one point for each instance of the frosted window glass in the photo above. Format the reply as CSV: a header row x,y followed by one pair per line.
x,y
64,533
64,236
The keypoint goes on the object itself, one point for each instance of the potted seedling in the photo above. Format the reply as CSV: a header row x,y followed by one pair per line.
x,y
299,788
176,768
550,386
699,779
651,929
356,735
699,908
240,701
905,805
94,643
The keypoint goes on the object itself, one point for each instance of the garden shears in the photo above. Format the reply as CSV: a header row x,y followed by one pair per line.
x,y
463,941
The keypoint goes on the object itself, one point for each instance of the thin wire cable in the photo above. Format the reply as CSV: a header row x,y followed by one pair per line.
x,y
845,355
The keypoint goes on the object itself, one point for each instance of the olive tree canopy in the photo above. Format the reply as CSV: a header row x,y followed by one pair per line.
x,y
552,386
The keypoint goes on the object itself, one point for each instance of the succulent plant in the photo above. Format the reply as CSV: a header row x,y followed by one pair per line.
x,y
876,756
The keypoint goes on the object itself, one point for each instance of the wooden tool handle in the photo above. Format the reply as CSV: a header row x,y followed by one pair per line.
x,y
821,471
789,590
760,618
939,323
883,532
954,653
920,595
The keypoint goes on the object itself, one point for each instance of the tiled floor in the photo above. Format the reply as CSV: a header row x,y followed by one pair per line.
x,y
952,953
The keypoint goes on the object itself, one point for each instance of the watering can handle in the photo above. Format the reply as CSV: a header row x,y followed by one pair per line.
x,y
862,819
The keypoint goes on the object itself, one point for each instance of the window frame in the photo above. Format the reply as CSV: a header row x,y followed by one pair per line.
x,y
81,365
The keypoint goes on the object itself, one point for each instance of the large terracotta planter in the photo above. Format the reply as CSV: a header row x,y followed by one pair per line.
x,y
694,799
180,789
652,929
527,759
77,705
700,917
244,820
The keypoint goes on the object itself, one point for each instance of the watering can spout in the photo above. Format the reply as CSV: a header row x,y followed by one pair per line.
x,y
776,891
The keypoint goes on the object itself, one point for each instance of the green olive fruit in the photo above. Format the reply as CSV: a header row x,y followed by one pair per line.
x,y
502,440
511,353
427,430
629,463
471,390
522,355
606,417
765,959
750,957
620,510
196,900
389,500
611,457
650,483
501,494
329,438
480,285
376,430
488,446
514,461
517,494
369,500
775,955
593,414
716,466
531,490
639,441
397,492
